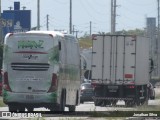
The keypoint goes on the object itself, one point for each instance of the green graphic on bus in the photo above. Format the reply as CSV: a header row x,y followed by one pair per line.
x,y
30,44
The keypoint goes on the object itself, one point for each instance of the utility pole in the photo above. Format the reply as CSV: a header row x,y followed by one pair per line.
x,y
1,34
24,7
10,8
47,24
38,14
113,16
115,5
158,39
73,29
90,27
76,33
70,23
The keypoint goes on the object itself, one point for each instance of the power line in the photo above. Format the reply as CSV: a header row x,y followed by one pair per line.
x,y
86,10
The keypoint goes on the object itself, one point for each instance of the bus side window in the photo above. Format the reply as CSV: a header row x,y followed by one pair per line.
x,y
59,44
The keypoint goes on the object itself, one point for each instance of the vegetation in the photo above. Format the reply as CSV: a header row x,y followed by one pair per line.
x,y
131,32
1,55
1,103
86,42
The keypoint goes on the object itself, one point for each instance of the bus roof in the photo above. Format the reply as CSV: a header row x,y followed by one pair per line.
x,y
54,33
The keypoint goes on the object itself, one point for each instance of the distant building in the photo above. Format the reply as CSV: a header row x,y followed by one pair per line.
x,y
16,20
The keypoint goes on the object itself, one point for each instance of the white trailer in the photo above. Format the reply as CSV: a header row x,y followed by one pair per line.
x,y
120,69
41,69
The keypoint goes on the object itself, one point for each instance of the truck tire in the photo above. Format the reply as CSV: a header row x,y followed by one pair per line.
x,y
138,103
98,102
130,103
114,102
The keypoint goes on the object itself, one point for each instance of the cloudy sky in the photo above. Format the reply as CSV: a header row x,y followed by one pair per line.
x,y
131,14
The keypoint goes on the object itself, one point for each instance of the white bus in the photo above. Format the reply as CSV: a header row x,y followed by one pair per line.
x,y
41,69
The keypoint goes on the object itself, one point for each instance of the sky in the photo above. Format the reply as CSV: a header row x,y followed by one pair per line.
x,y
131,14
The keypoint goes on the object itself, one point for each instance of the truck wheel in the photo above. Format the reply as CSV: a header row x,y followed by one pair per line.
x,y
72,108
152,98
129,103
114,102
105,102
138,103
98,102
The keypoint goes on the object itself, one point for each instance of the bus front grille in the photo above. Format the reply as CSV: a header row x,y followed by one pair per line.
x,y
30,66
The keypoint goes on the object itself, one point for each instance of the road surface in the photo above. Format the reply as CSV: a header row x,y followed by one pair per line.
x,y
89,106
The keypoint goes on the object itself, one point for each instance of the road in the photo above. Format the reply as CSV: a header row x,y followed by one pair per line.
x,y
89,106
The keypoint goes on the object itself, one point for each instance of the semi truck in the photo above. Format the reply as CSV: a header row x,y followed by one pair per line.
x,y
120,69
41,69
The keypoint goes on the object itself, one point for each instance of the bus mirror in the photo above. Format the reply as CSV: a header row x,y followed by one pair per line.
x,y
59,44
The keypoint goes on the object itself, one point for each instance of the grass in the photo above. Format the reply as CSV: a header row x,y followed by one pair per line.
x,y
2,104
149,108
85,43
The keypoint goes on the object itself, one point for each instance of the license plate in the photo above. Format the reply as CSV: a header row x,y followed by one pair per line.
x,y
29,97
112,87
112,90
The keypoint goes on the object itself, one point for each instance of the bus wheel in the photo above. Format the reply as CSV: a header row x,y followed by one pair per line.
x,y
12,108
21,109
30,109
63,101
77,98
81,101
72,108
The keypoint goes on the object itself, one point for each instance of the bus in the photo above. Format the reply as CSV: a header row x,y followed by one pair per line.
x,y
41,69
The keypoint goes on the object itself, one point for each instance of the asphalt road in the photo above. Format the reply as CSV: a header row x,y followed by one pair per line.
x,y
89,106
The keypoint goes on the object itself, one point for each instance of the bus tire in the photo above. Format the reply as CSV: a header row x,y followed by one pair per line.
x,y
63,101
21,108
12,108
77,97
30,109
72,108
